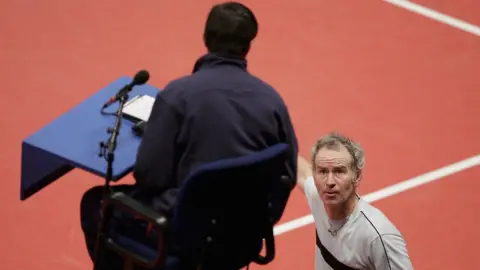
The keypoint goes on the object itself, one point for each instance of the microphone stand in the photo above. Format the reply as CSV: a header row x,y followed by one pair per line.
x,y
107,150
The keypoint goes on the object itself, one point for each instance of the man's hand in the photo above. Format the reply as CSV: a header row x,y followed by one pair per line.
x,y
304,171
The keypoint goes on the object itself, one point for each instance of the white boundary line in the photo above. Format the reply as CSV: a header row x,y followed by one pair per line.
x,y
391,190
435,15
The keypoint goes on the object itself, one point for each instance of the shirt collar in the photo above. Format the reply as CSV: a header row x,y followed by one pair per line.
x,y
210,60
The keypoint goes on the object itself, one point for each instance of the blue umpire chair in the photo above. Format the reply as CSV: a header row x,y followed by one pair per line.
x,y
223,218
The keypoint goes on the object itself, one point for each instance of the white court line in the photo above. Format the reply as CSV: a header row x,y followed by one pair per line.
x,y
391,190
435,15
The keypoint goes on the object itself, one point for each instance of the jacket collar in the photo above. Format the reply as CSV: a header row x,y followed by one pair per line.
x,y
210,60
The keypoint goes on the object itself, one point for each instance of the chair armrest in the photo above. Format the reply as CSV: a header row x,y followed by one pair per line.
x,y
158,221
144,212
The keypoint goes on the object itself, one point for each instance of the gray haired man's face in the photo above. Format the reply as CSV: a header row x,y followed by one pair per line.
x,y
334,177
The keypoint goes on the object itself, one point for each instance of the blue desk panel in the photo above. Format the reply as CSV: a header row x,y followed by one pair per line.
x,y
73,141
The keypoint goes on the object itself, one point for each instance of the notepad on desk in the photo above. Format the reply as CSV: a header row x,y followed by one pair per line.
x,y
139,108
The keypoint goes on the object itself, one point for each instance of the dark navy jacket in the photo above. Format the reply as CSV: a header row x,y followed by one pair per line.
x,y
219,111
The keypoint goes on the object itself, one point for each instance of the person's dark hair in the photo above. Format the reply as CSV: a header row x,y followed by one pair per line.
x,y
229,30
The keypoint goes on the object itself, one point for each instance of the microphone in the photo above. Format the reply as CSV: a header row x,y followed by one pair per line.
x,y
140,78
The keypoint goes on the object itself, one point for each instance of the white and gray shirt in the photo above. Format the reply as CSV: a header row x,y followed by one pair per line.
x,y
367,239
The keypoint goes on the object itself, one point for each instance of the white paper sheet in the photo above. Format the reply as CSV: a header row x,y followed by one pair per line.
x,y
139,107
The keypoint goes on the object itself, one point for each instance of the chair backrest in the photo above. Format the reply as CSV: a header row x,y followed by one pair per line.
x,y
226,208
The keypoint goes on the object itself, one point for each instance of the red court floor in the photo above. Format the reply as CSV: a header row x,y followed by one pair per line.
x,y
405,86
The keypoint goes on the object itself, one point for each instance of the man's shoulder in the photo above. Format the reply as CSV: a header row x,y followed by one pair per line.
x,y
384,240
197,85
194,89
261,82
175,90
176,85
376,220
266,86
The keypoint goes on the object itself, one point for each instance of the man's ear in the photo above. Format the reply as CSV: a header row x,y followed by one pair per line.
x,y
358,178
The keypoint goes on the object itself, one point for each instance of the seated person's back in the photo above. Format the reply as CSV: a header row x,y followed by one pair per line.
x,y
227,113
220,111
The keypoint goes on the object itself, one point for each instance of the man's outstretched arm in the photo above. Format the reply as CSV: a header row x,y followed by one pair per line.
x,y
304,171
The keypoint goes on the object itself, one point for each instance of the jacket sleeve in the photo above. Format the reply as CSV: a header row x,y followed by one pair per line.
x,y
155,161
289,137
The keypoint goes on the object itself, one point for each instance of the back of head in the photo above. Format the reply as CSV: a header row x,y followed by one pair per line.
x,y
229,30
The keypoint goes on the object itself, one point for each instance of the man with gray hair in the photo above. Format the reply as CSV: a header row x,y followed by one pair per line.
x,y
350,232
